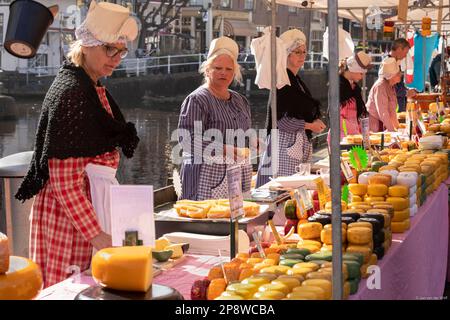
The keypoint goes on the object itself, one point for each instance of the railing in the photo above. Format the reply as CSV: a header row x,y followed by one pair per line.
x,y
183,63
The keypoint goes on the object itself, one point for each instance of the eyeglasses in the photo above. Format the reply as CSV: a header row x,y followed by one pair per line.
x,y
113,51
300,52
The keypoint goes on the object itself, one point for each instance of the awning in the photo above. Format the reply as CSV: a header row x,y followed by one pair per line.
x,y
239,28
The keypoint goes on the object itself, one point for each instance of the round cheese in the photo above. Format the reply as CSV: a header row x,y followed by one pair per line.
x,y
357,189
4,253
413,190
359,235
412,200
377,190
400,215
363,178
357,198
413,210
407,178
360,225
309,230
322,283
22,281
307,293
380,179
366,251
399,227
373,199
399,191
398,203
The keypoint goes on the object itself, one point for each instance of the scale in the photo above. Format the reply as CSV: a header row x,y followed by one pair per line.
x,y
156,292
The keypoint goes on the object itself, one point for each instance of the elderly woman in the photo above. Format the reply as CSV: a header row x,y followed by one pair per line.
x,y
382,101
351,71
298,115
214,109
76,152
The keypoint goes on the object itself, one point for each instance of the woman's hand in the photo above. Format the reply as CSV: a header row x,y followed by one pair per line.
x,y
101,241
317,126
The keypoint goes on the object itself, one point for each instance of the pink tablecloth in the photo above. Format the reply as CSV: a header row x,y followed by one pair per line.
x,y
415,267
447,182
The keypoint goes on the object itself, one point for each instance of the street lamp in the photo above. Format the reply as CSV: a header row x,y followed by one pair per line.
x,y
204,14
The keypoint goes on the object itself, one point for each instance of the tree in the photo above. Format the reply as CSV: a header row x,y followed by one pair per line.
x,y
156,16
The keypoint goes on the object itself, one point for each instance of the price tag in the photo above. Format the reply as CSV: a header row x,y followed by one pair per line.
x,y
323,191
235,191
346,170
306,198
365,130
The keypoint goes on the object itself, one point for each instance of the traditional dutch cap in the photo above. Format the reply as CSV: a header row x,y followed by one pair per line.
x,y
107,23
389,68
224,45
293,39
359,62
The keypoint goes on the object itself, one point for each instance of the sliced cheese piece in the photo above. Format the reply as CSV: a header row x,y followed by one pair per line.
x,y
124,268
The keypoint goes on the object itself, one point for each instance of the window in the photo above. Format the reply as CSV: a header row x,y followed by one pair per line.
x,y
317,35
40,60
292,10
248,4
225,4
196,2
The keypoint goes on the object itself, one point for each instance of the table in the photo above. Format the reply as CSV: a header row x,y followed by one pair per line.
x,y
414,267
447,182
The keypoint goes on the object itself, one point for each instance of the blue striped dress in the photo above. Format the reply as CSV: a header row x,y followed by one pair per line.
x,y
201,111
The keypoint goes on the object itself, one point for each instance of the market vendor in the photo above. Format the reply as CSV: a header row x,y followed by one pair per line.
x,y
352,106
214,109
298,115
76,154
382,100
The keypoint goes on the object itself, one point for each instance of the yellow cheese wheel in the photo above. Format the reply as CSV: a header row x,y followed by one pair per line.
x,y
359,225
373,199
327,275
399,191
4,253
328,205
362,206
398,203
326,235
357,189
269,295
330,270
408,223
359,235
299,272
400,215
378,210
307,265
380,178
399,227
22,281
322,283
388,208
365,250
388,167
310,230
357,198
377,190
330,226
306,293
124,268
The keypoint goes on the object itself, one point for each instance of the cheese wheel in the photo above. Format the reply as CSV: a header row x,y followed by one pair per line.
x,y
393,173
413,210
361,206
357,189
22,281
407,223
373,259
380,179
326,235
319,275
306,293
372,199
124,268
359,235
413,190
398,203
360,225
383,169
387,220
322,283
357,198
400,215
399,227
399,191
309,230
363,178
407,178
366,251
377,190
412,200
4,253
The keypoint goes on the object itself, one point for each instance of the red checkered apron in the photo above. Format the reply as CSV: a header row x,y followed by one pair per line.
x,y
63,220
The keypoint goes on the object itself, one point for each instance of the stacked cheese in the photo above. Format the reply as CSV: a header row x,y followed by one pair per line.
x,y
404,199
360,239
4,253
327,239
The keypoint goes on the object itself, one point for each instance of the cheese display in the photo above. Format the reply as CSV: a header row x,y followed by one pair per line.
x,y
212,209
124,268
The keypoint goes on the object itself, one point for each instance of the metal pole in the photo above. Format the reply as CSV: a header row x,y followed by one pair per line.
x,y
273,91
335,167
209,24
364,88
9,219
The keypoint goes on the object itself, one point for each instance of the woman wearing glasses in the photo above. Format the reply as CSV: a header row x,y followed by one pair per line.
x,y
298,115
76,154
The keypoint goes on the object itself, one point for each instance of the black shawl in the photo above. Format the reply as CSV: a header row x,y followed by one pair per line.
x,y
346,93
295,101
73,123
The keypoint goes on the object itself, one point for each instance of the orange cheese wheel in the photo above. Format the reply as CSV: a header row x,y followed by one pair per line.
x,y
377,190
22,281
380,178
398,203
370,200
322,283
400,215
399,191
357,189
359,235
365,250
310,230
4,253
399,227
359,225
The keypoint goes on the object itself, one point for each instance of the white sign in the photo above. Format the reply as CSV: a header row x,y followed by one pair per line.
x,y
348,173
306,198
421,126
365,132
235,191
131,212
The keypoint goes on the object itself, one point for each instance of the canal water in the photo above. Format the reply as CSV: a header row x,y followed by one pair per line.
x,y
151,163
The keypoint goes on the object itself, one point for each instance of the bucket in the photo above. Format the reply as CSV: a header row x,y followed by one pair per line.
x,y
27,24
